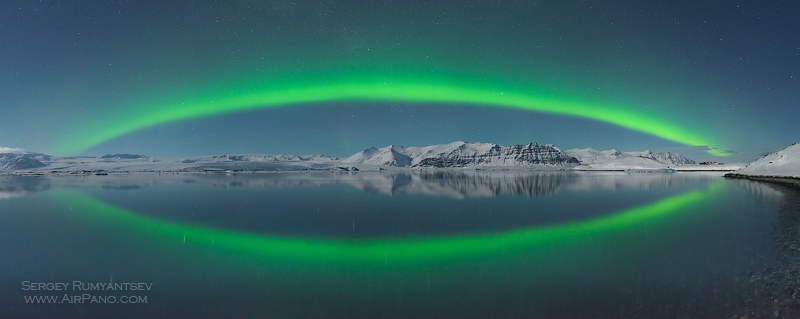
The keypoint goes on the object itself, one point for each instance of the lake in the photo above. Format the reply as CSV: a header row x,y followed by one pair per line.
x,y
397,244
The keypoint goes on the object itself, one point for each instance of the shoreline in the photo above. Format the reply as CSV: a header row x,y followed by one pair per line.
x,y
355,170
776,279
790,181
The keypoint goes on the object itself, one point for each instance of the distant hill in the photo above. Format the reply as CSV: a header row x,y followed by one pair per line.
x,y
123,156
614,159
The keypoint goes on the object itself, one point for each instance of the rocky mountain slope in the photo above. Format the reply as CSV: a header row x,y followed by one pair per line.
x,y
463,154
17,161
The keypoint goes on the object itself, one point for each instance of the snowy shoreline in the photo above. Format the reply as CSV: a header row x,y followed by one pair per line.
x,y
352,170
783,164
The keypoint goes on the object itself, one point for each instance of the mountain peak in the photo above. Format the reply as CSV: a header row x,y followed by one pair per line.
x,y
15,161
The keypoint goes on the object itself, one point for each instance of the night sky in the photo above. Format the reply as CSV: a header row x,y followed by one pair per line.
x,y
173,78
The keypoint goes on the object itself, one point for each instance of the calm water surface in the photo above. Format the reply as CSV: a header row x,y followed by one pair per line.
x,y
398,245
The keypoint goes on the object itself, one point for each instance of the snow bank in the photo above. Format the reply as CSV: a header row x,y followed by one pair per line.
x,y
783,163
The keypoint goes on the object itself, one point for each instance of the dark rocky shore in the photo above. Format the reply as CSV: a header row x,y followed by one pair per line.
x,y
775,281
792,182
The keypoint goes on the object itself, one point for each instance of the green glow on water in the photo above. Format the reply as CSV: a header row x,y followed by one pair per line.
x,y
383,250
370,88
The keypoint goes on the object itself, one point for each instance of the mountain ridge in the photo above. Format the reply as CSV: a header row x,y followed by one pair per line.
x,y
463,154
615,159
457,154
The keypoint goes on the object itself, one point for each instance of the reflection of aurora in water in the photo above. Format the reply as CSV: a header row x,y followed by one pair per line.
x,y
406,249
331,88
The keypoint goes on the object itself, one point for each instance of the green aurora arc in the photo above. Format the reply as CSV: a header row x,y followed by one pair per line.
x,y
409,89
377,251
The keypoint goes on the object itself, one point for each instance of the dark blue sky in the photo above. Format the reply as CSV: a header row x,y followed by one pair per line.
x,y
726,69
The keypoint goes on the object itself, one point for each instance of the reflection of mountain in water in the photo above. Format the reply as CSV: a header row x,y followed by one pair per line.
x,y
470,184
14,186
763,190
461,184
18,186
451,184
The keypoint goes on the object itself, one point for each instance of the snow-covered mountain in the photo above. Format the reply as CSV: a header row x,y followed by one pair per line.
x,y
261,158
783,163
258,162
463,154
614,159
17,161
457,154
20,162
391,155
123,156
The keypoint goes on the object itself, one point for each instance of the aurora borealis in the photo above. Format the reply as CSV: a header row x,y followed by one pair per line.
x,y
386,91
183,78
